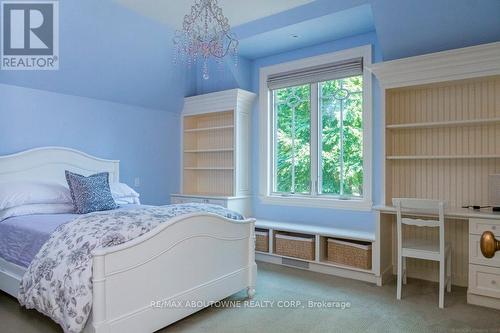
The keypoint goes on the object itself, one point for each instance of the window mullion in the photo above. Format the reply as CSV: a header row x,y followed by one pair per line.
x,y
341,134
293,150
314,140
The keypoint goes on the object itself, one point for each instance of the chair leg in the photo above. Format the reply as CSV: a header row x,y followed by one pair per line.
x,y
448,263
404,270
441,283
400,276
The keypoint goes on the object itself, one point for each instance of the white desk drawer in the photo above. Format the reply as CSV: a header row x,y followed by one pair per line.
x,y
484,280
475,255
478,226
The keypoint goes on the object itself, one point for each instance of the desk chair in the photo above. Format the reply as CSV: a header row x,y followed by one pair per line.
x,y
419,248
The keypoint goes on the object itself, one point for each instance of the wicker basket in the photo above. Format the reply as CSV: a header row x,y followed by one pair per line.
x,y
350,253
262,240
295,245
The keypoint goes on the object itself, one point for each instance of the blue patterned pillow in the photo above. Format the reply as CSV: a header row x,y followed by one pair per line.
x,y
90,194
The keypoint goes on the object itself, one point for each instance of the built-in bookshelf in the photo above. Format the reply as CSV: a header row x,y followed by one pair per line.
x,y
442,140
442,135
216,149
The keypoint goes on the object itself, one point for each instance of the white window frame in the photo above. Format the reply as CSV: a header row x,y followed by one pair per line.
x,y
267,126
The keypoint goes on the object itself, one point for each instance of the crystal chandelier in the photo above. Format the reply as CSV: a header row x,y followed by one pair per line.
x,y
205,34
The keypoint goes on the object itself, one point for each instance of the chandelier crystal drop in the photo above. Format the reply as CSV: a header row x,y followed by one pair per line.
x,y
205,34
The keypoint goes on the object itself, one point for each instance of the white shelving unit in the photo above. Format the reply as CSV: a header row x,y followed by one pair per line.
x,y
216,150
442,121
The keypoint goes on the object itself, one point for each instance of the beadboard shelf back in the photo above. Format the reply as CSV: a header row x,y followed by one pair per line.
x,y
449,163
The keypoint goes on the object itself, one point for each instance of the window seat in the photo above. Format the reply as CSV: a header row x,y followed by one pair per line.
x,y
310,247
327,231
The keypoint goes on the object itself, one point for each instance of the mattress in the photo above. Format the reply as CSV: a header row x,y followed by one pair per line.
x,y
21,237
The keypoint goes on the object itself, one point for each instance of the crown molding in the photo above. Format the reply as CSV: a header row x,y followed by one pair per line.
x,y
465,63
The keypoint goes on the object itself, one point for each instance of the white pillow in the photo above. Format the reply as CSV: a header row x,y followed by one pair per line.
x,y
128,201
36,209
13,194
124,194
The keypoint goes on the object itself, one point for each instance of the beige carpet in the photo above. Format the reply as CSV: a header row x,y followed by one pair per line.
x,y
373,309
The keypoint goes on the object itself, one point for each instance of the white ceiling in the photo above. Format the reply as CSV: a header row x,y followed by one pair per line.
x,y
171,12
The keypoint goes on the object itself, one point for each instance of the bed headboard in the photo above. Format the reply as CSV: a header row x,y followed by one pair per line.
x,y
49,164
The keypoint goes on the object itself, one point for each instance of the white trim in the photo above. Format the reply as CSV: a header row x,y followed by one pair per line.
x,y
458,64
317,202
265,170
296,238
226,100
312,228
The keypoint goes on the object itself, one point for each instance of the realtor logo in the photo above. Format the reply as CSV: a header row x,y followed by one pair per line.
x,y
30,35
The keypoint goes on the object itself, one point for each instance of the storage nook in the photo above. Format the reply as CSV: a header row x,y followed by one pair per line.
x,y
350,253
442,128
216,150
329,250
261,240
294,245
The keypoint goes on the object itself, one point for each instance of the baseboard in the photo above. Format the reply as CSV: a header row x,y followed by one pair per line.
x,y
320,268
386,276
485,301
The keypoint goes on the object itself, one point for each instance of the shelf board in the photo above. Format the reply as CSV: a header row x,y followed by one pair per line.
x,y
320,262
441,157
203,129
208,168
451,123
214,150
311,229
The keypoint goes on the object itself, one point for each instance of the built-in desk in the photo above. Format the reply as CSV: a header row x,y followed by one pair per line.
x,y
470,268
455,213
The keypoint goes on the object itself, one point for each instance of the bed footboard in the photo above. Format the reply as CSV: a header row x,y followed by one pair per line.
x,y
143,285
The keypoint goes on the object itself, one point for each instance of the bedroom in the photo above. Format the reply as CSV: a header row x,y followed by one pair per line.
x,y
312,134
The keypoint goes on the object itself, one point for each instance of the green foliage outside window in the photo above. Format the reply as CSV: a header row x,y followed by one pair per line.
x,y
340,113
293,125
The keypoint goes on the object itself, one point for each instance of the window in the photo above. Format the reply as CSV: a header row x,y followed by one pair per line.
x,y
341,131
317,132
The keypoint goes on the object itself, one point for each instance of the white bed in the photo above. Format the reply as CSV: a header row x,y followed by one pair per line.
x,y
196,257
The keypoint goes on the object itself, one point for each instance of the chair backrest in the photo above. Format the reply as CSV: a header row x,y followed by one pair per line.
x,y
415,207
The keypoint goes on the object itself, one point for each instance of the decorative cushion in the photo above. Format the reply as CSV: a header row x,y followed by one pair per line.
x,y
90,194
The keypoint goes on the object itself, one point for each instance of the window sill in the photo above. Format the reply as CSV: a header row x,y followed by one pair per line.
x,y
331,203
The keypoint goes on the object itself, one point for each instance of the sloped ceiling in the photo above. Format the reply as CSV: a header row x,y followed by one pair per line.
x,y
171,12
404,27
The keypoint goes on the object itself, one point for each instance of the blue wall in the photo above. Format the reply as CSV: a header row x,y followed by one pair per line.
x,y
111,53
145,140
117,95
